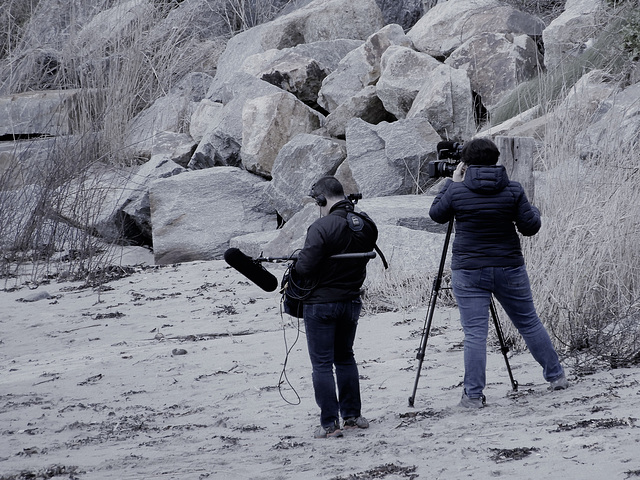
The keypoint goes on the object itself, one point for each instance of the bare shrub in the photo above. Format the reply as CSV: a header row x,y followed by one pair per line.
x,y
50,215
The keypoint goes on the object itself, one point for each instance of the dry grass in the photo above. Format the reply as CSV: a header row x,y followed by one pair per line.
x,y
585,262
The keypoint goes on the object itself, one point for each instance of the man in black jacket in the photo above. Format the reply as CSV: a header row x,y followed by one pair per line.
x,y
487,259
332,309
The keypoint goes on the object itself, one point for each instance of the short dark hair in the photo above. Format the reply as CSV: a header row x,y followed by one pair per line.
x,y
480,151
328,186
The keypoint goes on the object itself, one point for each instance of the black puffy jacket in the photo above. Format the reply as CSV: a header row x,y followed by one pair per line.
x,y
336,280
488,207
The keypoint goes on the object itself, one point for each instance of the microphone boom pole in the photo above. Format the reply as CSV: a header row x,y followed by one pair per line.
x,y
339,256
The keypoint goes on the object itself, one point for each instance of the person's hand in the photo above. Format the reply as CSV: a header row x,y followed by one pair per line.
x,y
458,175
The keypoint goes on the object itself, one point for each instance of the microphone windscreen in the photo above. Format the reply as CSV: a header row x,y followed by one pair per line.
x,y
251,269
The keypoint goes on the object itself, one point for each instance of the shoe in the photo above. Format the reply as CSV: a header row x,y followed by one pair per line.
x,y
468,402
355,422
559,383
332,431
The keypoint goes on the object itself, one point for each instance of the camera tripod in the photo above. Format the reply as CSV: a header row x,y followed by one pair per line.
x,y
437,284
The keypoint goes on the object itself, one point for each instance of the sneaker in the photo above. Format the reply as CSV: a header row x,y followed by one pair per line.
x,y
356,422
468,402
559,383
332,431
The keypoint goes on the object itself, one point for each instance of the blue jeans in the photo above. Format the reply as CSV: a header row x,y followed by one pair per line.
x,y
331,330
510,286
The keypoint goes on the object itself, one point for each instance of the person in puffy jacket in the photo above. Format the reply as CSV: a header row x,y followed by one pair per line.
x,y
489,211
332,308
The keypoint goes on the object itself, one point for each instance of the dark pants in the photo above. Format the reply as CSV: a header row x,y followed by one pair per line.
x,y
331,330
510,286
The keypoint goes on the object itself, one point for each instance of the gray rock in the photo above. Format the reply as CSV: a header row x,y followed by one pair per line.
x,y
621,110
497,63
168,113
402,12
390,158
320,20
301,76
39,113
221,142
268,123
134,214
37,296
364,105
213,206
298,165
568,35
203,116
403,74
448,25
446,101
360,68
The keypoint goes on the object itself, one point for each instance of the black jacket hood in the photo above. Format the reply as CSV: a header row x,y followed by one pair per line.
x,y
486,179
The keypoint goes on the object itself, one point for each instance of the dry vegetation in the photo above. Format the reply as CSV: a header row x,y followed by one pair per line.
x,y
584,264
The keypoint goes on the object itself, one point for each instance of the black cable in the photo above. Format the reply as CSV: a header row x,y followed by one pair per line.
x,y
288,350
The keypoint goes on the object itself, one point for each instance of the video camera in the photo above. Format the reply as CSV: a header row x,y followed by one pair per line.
x,y
445,168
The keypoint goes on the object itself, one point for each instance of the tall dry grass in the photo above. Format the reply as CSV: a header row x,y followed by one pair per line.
x,y
585,262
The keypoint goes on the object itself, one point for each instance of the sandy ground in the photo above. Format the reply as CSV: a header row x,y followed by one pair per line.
x,y
182,372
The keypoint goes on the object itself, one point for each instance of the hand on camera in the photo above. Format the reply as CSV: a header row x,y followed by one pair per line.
x,y
458,175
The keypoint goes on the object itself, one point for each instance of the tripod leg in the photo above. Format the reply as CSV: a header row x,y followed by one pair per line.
x,y
432,306
503,347
423,343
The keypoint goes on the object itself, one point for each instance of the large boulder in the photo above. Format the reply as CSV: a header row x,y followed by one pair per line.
x,y
616,126
320,20
205,113
195,215
33,114
268,123
403,72
300,69
360,68
568,35
390,158
446,101
113,25
365,105
26,162
133,215
221,141
301,76
449,24
496,63
298,165
328,54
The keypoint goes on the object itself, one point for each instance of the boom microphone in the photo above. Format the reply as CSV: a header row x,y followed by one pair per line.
x,y
251,269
